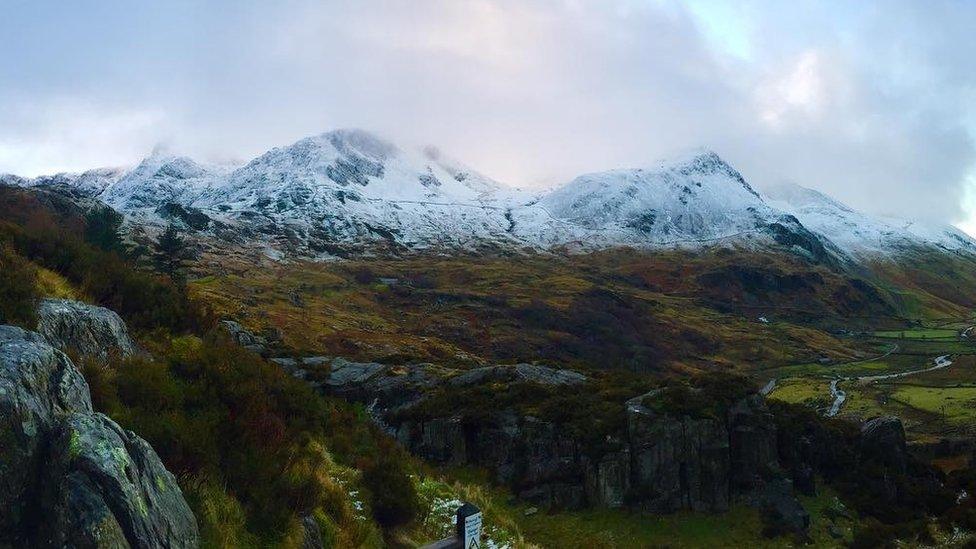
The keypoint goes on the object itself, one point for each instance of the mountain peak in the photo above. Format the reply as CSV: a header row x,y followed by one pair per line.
x,y
361,141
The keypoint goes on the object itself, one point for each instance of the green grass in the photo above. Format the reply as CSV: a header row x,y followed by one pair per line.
x,y
518,524
957,404
814,369
607,528
802,391
918,333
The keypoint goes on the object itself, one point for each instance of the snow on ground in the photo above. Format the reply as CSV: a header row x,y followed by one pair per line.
x,y
862,234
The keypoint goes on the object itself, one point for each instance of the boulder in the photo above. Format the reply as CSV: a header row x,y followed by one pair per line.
x,y
398,387
86,329
38,386
346,376
72,477
543,375
883,442
95,464
781,512
243,337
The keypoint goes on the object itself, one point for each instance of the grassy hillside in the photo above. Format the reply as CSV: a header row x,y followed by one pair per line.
x,y
651,314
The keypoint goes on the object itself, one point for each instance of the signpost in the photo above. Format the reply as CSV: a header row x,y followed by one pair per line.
x,y
469,526
467,534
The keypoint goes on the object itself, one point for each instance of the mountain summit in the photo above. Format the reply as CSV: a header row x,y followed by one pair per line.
x,y
348,191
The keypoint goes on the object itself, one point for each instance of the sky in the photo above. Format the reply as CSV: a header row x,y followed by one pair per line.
x,y
871,102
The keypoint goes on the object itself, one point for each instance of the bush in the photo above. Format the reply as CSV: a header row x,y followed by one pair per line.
x,y
219,414
145,300
18,289
393,496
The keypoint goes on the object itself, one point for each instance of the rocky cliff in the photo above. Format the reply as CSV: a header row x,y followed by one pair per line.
x,y
70,477
659,462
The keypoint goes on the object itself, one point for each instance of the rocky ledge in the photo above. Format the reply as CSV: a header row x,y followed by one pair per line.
x,y
88,330
71,477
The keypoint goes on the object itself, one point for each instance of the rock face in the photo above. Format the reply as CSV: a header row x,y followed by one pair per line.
x,y
531,373
662,463
700,463
72,477
86,329
883,441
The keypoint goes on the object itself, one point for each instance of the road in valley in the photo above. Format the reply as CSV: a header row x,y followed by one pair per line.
x,y
840,396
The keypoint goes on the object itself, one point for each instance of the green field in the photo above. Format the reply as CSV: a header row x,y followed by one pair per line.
x,y
955,404
919,333
931,404
813,392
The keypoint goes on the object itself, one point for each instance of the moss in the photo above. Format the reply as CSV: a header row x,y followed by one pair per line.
x,y
120,457
141,504
74,445
161,484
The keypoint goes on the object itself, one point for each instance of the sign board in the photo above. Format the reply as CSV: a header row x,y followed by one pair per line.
x,y
472,532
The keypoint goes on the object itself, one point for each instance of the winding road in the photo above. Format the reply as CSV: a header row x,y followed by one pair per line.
x,y
840,396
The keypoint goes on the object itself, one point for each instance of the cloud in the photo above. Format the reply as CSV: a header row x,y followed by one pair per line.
x,y
64,135
871,105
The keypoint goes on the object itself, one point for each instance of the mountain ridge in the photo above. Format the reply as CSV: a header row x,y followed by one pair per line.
x,y
348,191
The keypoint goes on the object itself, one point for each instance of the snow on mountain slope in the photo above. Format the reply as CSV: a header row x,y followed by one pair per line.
x,y
157,180
90,183
861,234
348,191
348,187
695,199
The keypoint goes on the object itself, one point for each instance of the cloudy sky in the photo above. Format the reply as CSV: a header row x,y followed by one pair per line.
x,y
873,102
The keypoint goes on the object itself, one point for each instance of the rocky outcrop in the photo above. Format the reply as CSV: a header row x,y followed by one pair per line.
x,y
699,463
883,442
257,343
661,463
528,373
85,329
70,476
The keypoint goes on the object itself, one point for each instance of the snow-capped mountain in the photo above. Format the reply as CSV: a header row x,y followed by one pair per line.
x,y
697,198
91,183
158,180
349,187
861,234
348,191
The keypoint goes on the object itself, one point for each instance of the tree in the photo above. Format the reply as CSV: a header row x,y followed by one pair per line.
x,y
103,228
169,252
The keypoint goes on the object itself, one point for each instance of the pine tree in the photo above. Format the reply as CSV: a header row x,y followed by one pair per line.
x,y
103,228
169,252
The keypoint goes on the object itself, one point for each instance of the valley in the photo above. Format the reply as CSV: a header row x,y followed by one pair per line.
x,y
658,356
926,378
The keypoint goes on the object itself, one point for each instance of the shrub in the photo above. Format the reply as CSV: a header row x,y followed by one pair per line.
x,y
393,497
145,300
18,289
